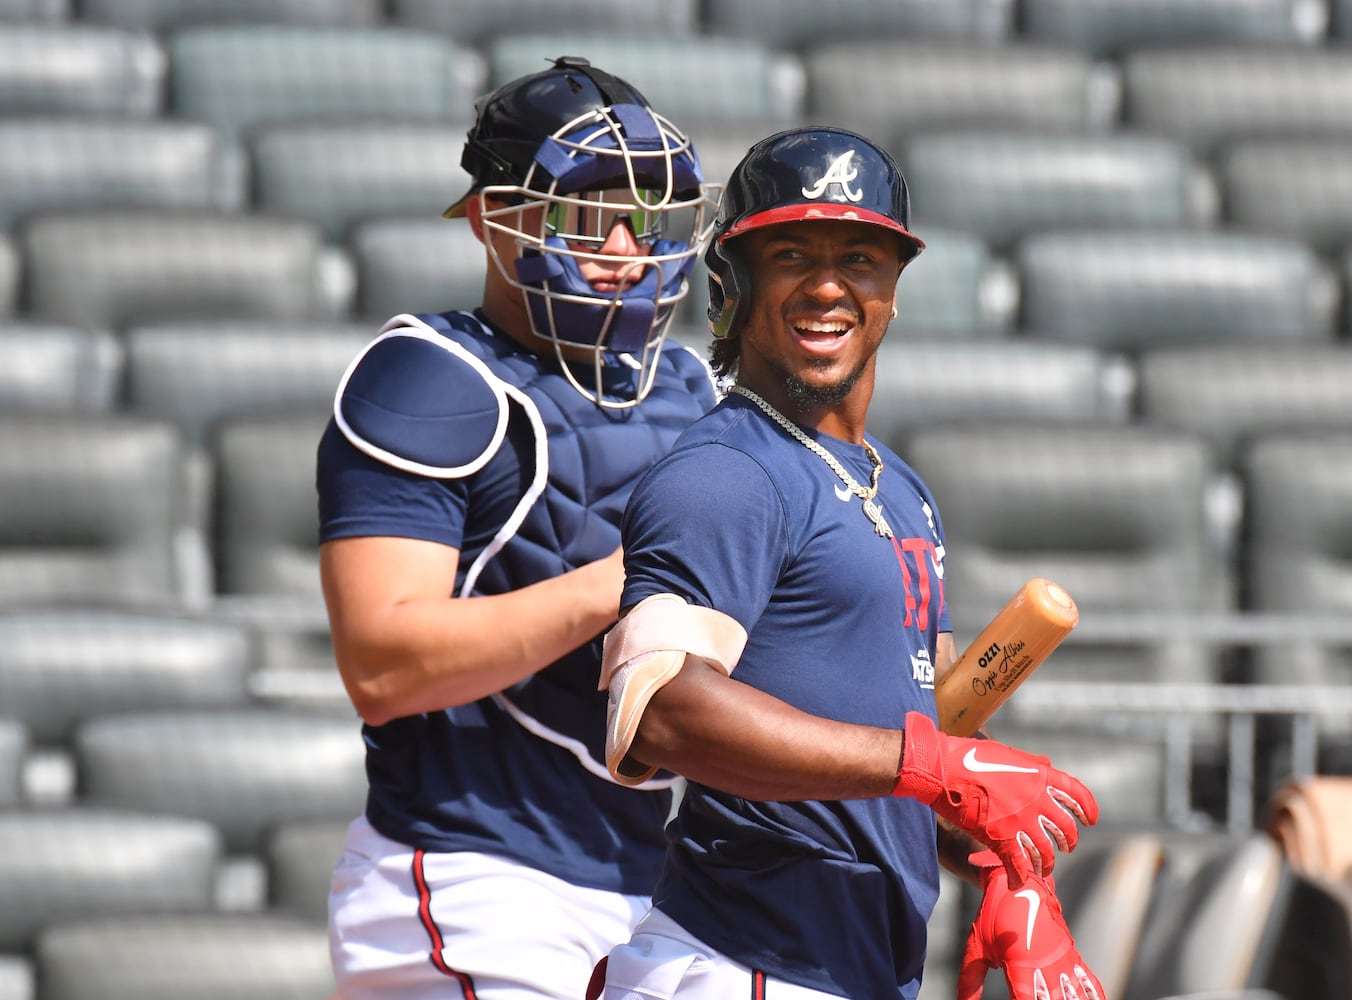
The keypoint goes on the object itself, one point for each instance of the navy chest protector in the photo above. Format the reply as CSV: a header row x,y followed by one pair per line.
x,y
433,395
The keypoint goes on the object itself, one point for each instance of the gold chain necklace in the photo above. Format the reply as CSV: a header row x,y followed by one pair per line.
x,y
871,510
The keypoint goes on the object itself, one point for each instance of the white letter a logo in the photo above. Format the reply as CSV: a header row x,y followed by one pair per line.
x,y
840,172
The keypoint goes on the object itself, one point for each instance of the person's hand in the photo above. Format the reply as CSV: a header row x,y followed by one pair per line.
x,y
1013,802
1024,934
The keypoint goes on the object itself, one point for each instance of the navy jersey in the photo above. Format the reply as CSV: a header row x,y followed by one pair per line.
x,y
447,432
841,623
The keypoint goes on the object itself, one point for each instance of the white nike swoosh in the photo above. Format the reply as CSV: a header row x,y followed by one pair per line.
x,y
971,762
1034,901
843,493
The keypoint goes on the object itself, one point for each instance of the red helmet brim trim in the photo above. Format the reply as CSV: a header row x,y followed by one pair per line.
x,y
825,210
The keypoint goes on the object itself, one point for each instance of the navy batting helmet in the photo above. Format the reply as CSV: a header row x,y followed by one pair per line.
x,y
796,175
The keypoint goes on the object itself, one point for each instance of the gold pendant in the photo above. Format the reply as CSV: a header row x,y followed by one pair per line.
x,y
875,514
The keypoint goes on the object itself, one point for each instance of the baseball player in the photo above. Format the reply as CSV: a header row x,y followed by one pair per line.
x,y
470,484
784,625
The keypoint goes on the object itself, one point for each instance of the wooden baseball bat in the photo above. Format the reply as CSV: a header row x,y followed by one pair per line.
x,y
1003,656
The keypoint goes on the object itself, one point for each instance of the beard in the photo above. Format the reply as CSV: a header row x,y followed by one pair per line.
x,y
812,396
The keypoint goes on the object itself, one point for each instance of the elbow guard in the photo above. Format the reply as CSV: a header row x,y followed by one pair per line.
x,y
645,650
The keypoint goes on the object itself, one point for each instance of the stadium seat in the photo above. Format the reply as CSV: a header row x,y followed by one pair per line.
x,y
116,269
895,88
1237,919
34,11
166,16
245,770
300,857
77,861
1298,548
474,22
923,382
1115,514
1133,289
13,749
76,162
1003,185
267,522
954,288
62,665
339,174
90,511
58,369
701,78
1231,393
1112,28
797,24
417,265
1298,188
1209,95
200,956
1340,21
235,77
200,374
9,277
73,68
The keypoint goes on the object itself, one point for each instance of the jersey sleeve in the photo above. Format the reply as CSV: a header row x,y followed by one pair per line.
x,y
708,525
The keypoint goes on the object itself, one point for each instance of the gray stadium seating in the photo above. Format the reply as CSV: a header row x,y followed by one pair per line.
x,y
79,69
58,369
78,861
1298,490
922,382
9,276
702,78
798,24
116,269
300,857
1233,392
201,956
165,16
59,666
953,288
13,749
418,265
1129,289
1209,95
237,76
475,22
1340,21
1300,188
896,88
90,511
34,11
267,523
339,174
1112,28
1003,185
1114,514
77,162
245,770
200,374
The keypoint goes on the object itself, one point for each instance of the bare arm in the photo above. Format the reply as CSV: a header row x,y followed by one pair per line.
x,y
405,645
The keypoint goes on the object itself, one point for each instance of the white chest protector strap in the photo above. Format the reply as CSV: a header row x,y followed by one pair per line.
x,y
644,651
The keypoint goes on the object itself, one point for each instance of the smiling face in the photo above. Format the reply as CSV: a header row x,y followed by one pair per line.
x,y
821,296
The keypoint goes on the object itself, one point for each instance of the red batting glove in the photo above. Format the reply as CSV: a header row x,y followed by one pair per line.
x,y
1024,934
1011,801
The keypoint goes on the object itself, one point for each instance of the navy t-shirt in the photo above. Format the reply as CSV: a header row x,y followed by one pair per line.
x,y
841,623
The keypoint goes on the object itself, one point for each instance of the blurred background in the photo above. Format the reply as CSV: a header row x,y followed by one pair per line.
x,y
1123,363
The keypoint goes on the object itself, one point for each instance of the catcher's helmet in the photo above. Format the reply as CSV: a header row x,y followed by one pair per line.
x,y
569,153
802,174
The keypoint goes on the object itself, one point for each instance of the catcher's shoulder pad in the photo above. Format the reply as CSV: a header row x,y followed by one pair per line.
x,y
419,401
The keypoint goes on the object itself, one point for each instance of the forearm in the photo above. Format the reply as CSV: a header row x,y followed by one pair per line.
x,y
421,653
724,734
